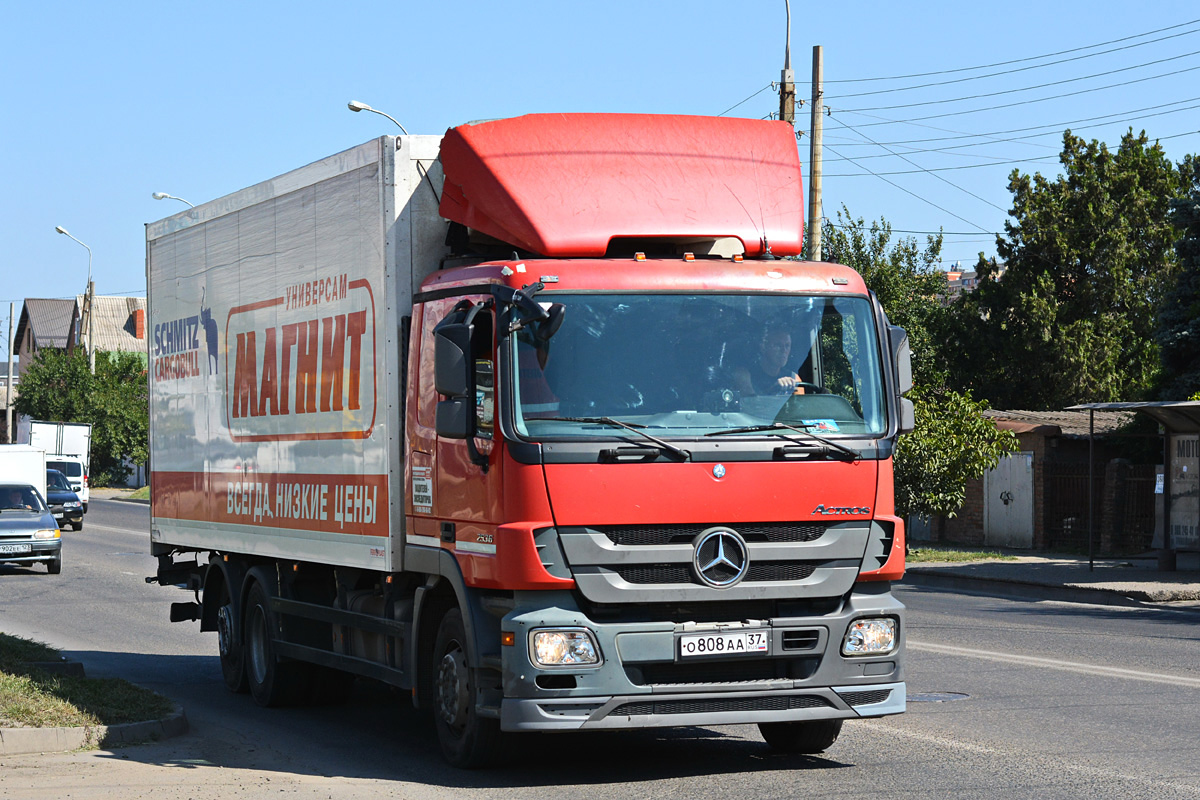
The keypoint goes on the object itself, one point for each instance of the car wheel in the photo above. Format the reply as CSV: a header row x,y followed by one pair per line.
x,y
77,526
54,566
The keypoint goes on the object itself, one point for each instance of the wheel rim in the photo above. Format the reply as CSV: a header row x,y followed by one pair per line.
x,y
225,630
453,690
257,632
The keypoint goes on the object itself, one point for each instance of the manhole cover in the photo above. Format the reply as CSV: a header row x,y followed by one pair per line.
x,y
936,697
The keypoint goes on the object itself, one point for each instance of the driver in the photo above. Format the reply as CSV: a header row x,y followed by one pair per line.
x,y
768,372
16,499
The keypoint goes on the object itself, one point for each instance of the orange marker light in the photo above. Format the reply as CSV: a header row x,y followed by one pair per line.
x,y
689,256
508,638
639,256
738,257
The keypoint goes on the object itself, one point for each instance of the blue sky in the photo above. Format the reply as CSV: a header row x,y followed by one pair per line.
x,y
106,103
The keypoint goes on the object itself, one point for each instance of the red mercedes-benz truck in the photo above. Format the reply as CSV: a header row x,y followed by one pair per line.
x,y
541,420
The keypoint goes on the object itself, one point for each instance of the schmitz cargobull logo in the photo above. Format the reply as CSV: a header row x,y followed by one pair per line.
x,y
302,366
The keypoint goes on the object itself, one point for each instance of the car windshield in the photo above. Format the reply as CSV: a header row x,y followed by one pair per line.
x,y
680,365
56,480
20,497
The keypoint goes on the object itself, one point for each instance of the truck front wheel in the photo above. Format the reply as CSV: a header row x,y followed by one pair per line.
x,y
467,740
272,682
801,737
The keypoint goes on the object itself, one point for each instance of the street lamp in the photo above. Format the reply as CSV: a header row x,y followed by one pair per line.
x,y
354,105
165,196
91,297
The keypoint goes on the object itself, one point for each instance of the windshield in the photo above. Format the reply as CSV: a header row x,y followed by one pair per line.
x,y
687,365
56,480
21,497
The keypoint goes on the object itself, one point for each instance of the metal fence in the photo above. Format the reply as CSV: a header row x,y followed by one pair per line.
x,y
1123,507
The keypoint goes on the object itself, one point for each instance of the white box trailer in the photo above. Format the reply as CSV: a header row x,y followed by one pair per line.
x,y
275,322
20,463
61,438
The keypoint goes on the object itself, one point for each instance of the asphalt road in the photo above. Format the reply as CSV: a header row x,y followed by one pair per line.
x,y
1009,698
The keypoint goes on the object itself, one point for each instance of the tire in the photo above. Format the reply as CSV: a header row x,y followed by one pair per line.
x,y
85,508
272,682
468,741
54,567
77,526
230,645
801,737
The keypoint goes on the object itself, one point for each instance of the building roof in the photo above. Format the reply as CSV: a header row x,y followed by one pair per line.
x,y
114,327
1177,416
50,320
1068,423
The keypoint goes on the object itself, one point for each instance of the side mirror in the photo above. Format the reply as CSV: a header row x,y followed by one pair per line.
x,y
908,416
451,358
455,418
549,326
902,355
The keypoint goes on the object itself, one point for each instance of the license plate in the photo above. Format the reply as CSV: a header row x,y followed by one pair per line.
x,y
720,644
15,548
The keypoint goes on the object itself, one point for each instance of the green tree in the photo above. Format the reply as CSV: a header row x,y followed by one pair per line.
x,y
58,386
1088,258
1178,333
952,441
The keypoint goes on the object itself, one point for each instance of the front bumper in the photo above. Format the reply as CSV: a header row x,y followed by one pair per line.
x,y
66,516
40,550
643,681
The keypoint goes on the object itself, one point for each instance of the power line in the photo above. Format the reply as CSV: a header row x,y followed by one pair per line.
x,y
968,166
1056,126
1030,88
922,169
1016,60
914,194
747,100
1028,102
1019,69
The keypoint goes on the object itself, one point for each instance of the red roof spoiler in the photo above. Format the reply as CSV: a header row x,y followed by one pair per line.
x,y
566,184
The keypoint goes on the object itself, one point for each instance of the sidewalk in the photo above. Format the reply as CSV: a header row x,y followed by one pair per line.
x,y
1113,581
110,493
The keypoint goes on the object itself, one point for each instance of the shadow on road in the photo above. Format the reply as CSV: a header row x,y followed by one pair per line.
x,y
378,735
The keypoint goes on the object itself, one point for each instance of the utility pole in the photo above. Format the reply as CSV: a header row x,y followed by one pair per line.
x,y
8,395
814,159
89,307
787,83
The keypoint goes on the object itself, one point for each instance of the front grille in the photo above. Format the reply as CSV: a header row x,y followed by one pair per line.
x,y
866,698
717,705
736,671
759,571
658,535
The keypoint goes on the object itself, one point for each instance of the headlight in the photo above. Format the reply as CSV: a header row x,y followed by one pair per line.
x,y
870,637
47,534
564,648
72,504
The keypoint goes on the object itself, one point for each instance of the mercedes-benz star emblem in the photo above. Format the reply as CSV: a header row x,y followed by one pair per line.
x,y
719,471
721,557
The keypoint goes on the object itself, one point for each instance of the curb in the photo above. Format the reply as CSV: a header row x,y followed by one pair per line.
x,y
19,741
1008,587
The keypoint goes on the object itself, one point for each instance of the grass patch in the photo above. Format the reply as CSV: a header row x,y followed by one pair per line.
x,y
33,698
918,555
141,494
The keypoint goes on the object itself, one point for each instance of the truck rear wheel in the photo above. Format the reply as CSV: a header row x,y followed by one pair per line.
x,y
230,644
468,741
801,737
272,682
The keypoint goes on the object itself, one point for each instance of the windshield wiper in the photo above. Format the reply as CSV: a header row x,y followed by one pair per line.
x,y
679,452
777,427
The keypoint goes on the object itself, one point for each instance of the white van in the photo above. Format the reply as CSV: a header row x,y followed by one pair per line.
x,y
76,472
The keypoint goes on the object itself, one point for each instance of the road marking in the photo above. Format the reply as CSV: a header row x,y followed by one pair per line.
x,y
891,727
89,526
1053,663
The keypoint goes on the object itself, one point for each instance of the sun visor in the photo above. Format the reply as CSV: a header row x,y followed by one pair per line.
x,y
566,184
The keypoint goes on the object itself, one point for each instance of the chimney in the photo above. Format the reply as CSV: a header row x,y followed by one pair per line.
x,y
139,323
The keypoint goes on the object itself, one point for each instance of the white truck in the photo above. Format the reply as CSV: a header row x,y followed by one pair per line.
x,y
68,447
